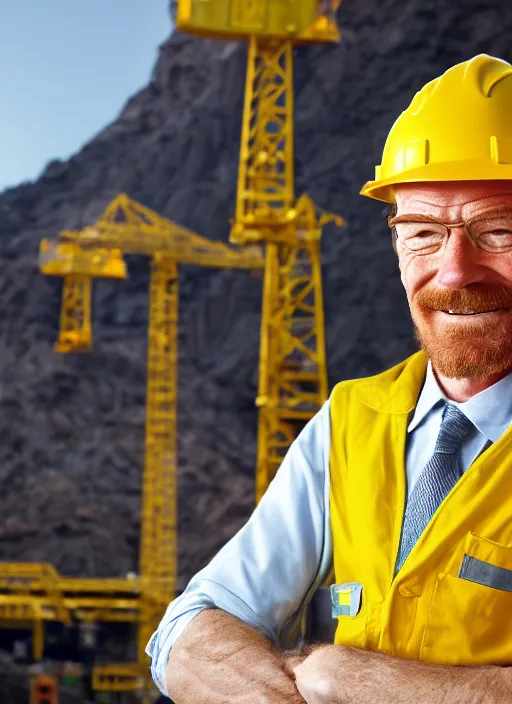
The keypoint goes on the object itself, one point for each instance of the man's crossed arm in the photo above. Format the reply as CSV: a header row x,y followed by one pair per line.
x,y
333,674
220,660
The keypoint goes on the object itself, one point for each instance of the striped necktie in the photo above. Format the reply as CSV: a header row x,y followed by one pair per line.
x,y
438,478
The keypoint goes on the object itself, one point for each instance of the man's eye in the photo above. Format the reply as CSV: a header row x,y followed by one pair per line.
x,y
496,240
498,233
423,240
423,234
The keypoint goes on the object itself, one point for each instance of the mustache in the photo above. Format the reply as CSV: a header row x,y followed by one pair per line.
x,y
466,300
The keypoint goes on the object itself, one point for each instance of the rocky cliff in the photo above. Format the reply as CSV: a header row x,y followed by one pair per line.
x,y
72,426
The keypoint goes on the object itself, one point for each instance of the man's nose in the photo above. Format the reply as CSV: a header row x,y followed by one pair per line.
x,y
460,261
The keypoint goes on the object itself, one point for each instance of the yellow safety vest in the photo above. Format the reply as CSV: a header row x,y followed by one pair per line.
x,y
427,612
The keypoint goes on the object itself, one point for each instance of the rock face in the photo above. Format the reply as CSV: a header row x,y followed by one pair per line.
x,y
72,426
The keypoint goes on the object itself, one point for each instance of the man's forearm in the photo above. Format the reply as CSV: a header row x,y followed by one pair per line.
x,y
384,679
338,675
220,660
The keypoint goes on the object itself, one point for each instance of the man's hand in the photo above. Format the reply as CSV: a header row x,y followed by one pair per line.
x,y
218,659
315,674
334,674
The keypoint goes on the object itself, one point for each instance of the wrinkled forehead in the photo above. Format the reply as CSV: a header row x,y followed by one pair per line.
x,y
452,200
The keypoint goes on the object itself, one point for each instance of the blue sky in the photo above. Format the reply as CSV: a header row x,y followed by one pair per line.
x,y
66,69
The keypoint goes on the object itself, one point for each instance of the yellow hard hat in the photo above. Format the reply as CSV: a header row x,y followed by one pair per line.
x,y
457,128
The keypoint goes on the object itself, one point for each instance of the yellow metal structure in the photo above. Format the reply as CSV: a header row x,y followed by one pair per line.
x,y
132,228
34,593
75,331
127,227
67,258
44,690
78,267
303,21
293,371
119,678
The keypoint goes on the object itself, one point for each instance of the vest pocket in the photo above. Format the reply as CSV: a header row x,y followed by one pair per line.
x,y
467,624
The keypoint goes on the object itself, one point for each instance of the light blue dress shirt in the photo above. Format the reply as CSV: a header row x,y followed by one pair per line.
x,y
267,573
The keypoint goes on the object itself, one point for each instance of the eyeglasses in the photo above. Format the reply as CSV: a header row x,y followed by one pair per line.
x,y
422,235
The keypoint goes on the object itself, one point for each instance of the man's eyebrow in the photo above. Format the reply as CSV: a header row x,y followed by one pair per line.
x,y
497,210
417,217
412,217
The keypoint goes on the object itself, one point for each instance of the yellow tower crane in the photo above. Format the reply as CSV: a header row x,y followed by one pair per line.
x,y
127,227
293,372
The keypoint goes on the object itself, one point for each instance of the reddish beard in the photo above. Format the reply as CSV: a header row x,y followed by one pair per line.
x,y
468,349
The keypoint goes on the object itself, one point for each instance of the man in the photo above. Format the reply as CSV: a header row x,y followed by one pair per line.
x,y
402,482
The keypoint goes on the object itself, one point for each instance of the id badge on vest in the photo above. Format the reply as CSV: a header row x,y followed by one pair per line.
x,y
346,599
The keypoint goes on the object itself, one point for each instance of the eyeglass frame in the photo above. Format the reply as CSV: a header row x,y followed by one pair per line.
x,y
392,218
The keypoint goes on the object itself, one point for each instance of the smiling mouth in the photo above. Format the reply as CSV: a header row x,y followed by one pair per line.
x,y
476,312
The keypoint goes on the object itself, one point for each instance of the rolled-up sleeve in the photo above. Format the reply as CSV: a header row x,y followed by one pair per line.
x,y
267,573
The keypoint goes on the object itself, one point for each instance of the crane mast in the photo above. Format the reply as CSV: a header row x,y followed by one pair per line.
x,y
292,371
158,546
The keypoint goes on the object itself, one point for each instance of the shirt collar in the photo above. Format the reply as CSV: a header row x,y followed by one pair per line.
x,y
429,397
490,411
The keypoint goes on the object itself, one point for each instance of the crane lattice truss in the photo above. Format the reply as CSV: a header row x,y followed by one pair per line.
x,y
292,373
34,593
293,370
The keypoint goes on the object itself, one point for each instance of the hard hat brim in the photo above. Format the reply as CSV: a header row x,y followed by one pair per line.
x,y
475,170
